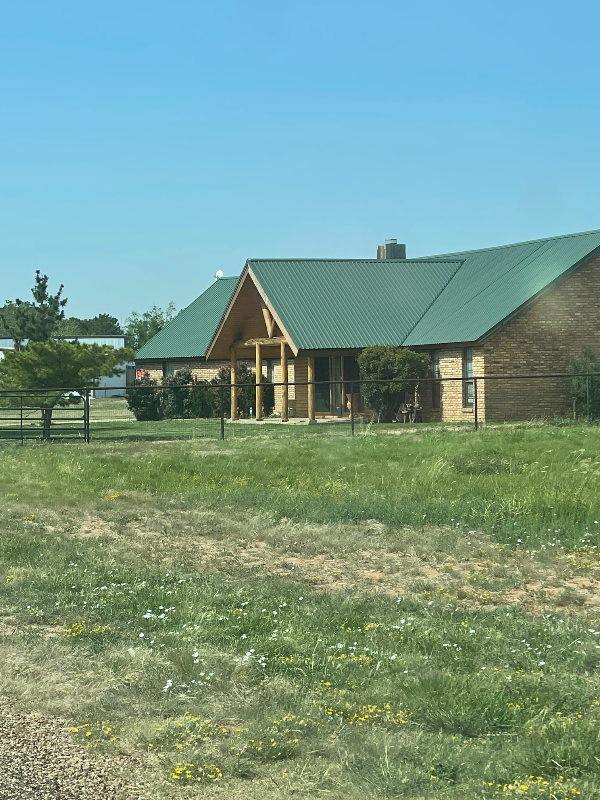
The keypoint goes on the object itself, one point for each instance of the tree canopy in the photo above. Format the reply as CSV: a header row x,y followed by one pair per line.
x,y
59,364
140,328
100,325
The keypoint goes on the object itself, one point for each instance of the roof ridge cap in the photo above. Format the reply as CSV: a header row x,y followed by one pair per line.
x,y
440,260
512,244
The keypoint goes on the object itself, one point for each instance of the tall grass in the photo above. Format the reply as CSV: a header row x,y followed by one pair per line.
x,y
531,487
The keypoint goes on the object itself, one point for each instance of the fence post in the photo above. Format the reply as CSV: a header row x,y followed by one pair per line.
x,y
222,405
86,416
352,407
587,396
475,403
591,397
22,439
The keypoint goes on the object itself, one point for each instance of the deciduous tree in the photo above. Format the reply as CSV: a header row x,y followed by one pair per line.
x,y
399,368
100,325
140,328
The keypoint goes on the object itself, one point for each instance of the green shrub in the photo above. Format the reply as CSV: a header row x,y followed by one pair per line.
x,y
143,400
268,397
201,401
181,397
186,397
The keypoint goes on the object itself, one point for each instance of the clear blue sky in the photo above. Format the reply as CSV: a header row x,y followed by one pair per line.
x,y
144,145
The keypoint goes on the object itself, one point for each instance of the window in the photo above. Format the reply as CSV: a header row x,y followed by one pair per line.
x,y
168,368
271,370
436,388
468,391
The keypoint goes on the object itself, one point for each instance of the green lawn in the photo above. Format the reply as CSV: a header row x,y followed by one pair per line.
x,y
412,615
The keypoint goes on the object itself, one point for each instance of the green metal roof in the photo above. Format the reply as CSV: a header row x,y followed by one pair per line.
x,y
189,333
337,303
492,284
332,303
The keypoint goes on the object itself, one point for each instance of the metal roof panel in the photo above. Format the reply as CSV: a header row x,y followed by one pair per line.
x,y
189,333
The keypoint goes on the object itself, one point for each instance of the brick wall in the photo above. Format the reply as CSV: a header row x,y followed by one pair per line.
x,y
452,392
201,370
542,339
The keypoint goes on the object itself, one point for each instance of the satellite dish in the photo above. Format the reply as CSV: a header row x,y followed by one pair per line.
x,y
219,274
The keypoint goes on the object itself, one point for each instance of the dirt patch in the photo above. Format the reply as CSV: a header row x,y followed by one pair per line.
x,y
93,528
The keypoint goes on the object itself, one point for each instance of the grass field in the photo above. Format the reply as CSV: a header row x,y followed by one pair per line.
x,y
409,616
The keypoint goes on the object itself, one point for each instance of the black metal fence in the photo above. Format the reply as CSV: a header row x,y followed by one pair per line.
x,y
202,410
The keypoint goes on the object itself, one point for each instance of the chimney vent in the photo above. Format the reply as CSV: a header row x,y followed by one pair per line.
x,y
391,249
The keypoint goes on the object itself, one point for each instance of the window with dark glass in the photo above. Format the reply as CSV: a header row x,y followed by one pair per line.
x,y
168,368
468,391
436,387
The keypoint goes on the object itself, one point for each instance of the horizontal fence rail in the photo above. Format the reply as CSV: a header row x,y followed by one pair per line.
x,y
202,409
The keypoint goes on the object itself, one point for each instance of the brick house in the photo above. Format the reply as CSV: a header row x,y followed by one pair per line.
x,y
519,309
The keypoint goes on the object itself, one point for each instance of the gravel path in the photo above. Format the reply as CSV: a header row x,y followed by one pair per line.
x,y
39,760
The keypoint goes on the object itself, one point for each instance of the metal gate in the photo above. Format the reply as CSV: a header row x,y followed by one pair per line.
x,y
22,418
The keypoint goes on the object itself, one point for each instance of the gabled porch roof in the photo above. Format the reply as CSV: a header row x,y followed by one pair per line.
x,y
324,304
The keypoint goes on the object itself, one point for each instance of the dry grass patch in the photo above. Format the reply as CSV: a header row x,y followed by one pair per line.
x,y
464,568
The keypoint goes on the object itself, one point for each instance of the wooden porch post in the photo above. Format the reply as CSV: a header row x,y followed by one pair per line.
x,y
234,405
284,380
343,392
311,389
259,391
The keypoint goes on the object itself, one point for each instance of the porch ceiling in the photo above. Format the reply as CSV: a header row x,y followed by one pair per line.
x,y
244,324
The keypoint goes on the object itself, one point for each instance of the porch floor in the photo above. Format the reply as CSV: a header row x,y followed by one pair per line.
x,y
294,421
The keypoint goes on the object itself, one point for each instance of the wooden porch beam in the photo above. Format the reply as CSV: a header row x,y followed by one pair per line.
x,y
274,342
269,322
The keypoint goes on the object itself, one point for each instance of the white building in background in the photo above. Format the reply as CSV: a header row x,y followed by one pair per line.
x,y
107,387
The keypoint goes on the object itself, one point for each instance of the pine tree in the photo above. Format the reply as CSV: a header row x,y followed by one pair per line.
x,y
37,321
